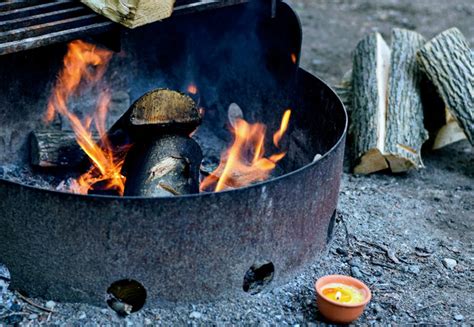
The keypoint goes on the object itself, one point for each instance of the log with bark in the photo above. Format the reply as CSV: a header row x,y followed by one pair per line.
x,y
164,160
55,148
166,166
448,62
387,115
405,132
371,63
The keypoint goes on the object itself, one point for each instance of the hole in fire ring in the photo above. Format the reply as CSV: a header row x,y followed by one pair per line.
x,y
258,276
126,296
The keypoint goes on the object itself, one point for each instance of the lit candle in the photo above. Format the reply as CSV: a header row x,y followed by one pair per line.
x,y
343,293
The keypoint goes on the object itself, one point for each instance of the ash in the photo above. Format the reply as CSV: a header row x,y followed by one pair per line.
x,y
409,237
25,175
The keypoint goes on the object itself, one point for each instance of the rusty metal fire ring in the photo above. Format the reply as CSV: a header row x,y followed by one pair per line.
x,y
70,247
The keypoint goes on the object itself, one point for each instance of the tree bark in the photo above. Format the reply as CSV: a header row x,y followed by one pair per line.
x,y
405,133
448,62
371,60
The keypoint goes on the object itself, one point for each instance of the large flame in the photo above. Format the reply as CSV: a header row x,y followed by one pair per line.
x,y
86,64
245,162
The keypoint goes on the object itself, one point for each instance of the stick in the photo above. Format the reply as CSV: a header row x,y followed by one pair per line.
x,y
27,300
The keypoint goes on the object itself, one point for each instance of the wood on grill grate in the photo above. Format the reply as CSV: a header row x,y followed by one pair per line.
x,y
34,23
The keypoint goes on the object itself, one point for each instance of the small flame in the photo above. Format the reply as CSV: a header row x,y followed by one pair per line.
x,y
192,89
293,58
84,63
244,162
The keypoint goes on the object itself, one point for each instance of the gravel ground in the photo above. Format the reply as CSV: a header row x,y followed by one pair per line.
x,y
409,236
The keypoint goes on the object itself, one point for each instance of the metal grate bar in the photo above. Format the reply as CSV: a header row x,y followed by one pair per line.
x,y
12,24
28,24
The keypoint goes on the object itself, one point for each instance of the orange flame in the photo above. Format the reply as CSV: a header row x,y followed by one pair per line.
x,y
84,63
293,58
244,162
192,89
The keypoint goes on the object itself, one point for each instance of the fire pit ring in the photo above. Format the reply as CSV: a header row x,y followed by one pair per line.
x,y
73,248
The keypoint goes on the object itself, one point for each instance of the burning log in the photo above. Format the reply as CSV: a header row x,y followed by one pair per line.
x,y
164,160
52,148
387,114
166,166
448,62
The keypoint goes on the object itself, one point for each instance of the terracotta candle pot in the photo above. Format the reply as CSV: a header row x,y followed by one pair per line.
x,y
341,299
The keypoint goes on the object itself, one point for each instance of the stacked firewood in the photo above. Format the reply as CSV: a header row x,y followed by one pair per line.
x,y
389,102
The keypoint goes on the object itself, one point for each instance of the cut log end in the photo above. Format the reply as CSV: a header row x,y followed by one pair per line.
x,y
371,162
400,164
448,134
165,107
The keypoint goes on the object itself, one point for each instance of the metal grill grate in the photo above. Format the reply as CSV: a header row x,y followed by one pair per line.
x,y
29,24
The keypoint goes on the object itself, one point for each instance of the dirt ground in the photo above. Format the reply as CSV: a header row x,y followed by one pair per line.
x,y
398,233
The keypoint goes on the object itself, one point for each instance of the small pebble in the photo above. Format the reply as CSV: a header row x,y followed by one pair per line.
x,y
458,317
317,157
82,316
356,272
104,311
377,308
414,269
147,322
449,263
33,316
50,304
195,315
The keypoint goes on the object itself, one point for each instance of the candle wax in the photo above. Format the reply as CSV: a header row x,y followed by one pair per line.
x,y
343,293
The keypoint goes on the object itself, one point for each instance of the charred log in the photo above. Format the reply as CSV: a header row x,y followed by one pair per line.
x,y
164,160
166,166
449,63
51,148
167,110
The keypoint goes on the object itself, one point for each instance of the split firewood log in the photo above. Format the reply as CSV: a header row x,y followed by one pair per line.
x,y
132,13
371,64
55,148
405,132
164,160
448,62
387,114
